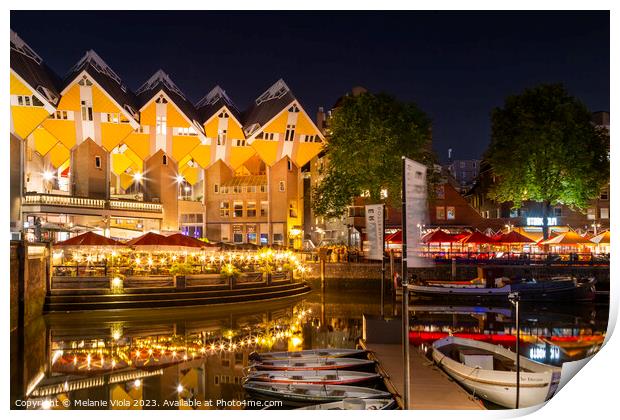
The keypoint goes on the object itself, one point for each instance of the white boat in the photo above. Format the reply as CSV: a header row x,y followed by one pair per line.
x,y
489,371
354,404
312,353
320,377
295,394
314,363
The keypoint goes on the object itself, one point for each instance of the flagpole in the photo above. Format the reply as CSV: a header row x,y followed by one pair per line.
x,y
405,284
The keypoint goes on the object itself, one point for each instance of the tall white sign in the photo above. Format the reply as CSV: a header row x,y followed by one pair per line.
x,y
374,231
416,206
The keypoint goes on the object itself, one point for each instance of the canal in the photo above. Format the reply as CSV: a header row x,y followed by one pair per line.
x,y
174,358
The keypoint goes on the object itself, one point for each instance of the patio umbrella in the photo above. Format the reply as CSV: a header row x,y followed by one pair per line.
x,y
567,239
88,239
601,238
395,238
513,237
476,238
154,242
438,237
188,241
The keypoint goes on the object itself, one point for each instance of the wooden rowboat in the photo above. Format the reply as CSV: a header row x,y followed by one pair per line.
x,y
314,363
489,371
312,353
297,394
320,377
354,404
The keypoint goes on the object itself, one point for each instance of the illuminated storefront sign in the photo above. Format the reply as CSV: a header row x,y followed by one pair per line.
x,y
538,221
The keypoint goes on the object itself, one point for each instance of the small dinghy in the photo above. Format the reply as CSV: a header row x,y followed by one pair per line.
x,y
320,377
489,371
314,363
354,353
354,404
297,394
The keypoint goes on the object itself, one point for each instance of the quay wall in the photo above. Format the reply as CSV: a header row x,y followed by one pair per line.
x,y
363,273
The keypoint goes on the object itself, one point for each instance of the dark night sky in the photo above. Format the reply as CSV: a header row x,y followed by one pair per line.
x,y
456,66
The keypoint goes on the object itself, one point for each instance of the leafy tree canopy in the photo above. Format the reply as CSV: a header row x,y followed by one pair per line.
x,y
369,134
545,148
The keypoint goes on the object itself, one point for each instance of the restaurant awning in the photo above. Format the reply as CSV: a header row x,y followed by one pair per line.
x,y
88,239
438,236
602,238
476,238
512,237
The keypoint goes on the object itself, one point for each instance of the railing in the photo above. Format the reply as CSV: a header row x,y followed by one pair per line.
x,y
135,205
64,200
93,203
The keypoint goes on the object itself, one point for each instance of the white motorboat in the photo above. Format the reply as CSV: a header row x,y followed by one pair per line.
x,y
314,363
311,353
489,371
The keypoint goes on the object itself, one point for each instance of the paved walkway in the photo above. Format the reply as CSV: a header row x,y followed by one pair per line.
x,y
431,388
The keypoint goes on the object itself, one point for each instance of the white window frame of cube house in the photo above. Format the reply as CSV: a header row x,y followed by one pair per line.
x,y
160,125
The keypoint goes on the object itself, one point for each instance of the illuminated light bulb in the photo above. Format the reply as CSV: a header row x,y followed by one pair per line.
x,y
174,258
150,261
185,357
113,363
138,261
137,177
150,352
180,178
203,258
203,350
179,388
48,175
174,353
212,346
74,360
114,253
163,261
137,383
234,346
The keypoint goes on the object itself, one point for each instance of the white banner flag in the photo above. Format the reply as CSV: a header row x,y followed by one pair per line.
x,y
374,231
416,205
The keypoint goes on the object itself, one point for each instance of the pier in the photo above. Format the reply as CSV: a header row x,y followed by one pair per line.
x,y
430,388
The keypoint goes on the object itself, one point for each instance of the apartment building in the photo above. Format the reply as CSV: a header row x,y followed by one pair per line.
x,y
88,153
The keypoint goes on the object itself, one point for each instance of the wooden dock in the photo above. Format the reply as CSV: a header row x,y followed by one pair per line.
x,y
430,389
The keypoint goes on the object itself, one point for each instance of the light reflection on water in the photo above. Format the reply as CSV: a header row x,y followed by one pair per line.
x,y
155,359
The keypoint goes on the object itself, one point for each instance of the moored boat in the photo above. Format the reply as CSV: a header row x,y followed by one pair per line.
x,y
354,404
314,363
489,371
563,289
310,353
320,377
297,394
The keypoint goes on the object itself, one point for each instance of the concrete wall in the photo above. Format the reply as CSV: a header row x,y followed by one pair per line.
x,y
86,179
160,184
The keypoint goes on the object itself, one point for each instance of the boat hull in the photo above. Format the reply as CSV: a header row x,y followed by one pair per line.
x,y
538,382
303,364
371,404
321,377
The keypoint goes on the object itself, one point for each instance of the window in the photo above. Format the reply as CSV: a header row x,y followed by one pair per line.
x,y
85,82
240,143
251,209
306,138
160,127
289,165
98,162
224,190
110,118
281,186
294,108
161,100
278,238
237,189
223,114
440,191
450,213
164,160
591,213
221,138
557,211
264,208
440,213
28,101
216,380
216,188
264,238
142,129
238,360
604,195
290,132
60,115
237,234
87,111
292,209
224,209
251,188
263,188
185,131
238,209
604,212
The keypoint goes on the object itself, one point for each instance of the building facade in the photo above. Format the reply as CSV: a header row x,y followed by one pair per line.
x,y
88,153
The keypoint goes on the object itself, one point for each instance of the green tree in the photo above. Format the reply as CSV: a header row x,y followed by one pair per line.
x,y
368,135
544,148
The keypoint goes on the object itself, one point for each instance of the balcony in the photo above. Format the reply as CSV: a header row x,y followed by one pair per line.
x,y
135,206
64,201
90,203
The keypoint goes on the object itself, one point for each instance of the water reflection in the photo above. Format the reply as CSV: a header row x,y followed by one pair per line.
x,y
196,358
